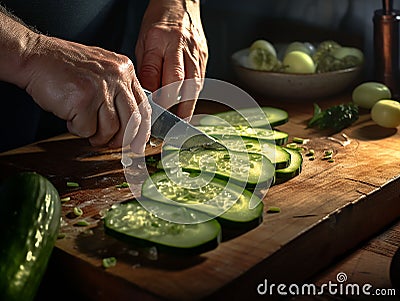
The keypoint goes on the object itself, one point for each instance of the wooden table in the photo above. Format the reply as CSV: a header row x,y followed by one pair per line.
x,y
327,210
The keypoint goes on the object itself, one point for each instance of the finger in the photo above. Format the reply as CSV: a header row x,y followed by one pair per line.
x,y
187,106
107,124
191,87
151,69
172,78
168,95
138,143
84,123
126,107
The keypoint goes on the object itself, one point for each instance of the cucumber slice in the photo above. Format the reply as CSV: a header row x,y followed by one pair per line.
x,y
132,223
276,154
280,138
248,168
214,198
252,116
294,169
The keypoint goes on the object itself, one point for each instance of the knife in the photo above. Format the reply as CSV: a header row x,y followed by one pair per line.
x,y
176,131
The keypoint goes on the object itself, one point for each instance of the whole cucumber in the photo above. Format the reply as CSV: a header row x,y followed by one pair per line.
x,y
29,221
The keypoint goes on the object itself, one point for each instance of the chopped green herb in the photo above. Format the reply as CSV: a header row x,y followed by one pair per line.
x,y
311,158
328,152
327,157
331,160
123,185
81,223
72,184
109,262
78,211
336,117
66,199
273,209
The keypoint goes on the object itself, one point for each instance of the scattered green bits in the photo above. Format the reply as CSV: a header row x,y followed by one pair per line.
x,y
81,223
72,184
123,185
310,153
66,199
60,235
273,209
299,140
109,262
78,211
292,145
151,160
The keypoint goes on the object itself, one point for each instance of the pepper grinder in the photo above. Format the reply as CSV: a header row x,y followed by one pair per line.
x,y
386,47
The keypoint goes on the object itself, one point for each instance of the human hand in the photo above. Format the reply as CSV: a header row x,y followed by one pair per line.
x,y
95,90
172,47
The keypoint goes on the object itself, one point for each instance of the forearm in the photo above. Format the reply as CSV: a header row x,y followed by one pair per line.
x,y
16,42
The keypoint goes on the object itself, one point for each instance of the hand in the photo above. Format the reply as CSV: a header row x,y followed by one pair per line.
x,y
95,90
172,47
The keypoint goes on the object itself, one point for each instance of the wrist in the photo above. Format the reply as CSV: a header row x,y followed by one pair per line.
x,y
179,12
17,43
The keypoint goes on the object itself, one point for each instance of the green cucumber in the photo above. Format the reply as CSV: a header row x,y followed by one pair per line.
x,y
294,169
279,157
278,137
240,167
30,220
215,197
132,223
249,116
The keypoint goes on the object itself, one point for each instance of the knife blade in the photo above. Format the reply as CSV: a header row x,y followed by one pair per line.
x,y
177,132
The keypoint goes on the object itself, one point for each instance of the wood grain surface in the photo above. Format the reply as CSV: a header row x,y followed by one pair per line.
x,y
325,211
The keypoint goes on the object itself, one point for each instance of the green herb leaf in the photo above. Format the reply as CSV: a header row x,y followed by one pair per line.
x,y
336,117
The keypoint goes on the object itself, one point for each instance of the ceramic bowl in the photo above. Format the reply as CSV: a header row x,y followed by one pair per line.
x,y
293,85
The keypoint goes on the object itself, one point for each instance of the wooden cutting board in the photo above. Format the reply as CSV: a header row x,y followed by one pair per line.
x,y
325,211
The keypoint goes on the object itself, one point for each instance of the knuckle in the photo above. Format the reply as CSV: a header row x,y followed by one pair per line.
x,y
150,69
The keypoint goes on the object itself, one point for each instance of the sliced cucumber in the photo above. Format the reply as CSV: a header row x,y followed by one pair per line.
x,y
276,154
249,116
280,138
214,198
132,223
294,169
248,168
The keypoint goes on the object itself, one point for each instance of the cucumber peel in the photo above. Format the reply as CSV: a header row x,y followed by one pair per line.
x,y
274,136
294,169
254,117
132,223
226,201
278,156
30,220
247,168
